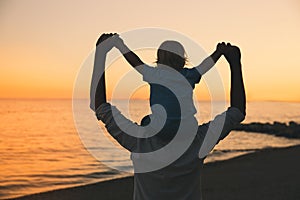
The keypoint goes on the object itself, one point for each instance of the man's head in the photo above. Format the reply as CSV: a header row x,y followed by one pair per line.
x,y
172,54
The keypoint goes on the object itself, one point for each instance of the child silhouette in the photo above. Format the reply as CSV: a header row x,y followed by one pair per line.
x,y
171,83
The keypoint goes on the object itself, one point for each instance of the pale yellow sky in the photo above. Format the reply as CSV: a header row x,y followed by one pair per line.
x,y
43,43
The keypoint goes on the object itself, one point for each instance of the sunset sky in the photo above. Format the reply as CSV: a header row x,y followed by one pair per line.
x,y
44,43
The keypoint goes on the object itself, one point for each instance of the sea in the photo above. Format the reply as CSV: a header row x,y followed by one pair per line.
x,y
43,145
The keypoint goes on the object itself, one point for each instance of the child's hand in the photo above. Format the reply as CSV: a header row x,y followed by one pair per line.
x,y
118,41
106,41
222,48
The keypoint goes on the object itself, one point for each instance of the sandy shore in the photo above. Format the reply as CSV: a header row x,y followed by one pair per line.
x,y
268,174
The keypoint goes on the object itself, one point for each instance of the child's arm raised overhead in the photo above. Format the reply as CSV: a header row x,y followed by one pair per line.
x,y
130,56
211,60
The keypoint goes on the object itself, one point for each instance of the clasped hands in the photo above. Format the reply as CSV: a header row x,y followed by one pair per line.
x,y
231,53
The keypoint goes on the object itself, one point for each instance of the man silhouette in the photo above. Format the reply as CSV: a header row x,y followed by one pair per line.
x,y
180,179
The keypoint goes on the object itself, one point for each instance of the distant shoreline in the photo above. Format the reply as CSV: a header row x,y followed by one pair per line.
x,y
290,130
263,175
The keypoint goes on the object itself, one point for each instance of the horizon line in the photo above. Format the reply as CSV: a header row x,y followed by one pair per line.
x,y
142,99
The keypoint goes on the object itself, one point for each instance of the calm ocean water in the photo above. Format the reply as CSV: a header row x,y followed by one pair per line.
x,y
41,150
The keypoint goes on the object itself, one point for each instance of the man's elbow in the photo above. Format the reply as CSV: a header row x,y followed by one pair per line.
x,y
241,108
243,111
241,115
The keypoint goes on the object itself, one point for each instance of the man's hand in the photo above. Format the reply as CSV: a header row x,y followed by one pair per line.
x,y
232,54
103,37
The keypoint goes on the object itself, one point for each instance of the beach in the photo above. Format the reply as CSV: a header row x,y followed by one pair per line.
x,y
267,174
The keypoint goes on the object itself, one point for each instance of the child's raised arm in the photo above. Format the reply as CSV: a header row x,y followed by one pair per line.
x,y
130,56
211,60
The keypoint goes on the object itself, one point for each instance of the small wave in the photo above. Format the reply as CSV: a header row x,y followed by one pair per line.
x,y
215,151
91,175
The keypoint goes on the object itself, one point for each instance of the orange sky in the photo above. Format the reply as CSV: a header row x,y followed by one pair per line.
x,y
44,43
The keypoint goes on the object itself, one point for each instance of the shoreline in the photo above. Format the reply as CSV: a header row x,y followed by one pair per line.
x,y
267,174
288,130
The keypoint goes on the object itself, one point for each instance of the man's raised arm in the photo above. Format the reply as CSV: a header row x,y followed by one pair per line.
x,y
104,111
217,129
237,91
117,125
97,89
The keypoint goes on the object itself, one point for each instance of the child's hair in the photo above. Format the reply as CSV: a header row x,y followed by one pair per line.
x,y
172,54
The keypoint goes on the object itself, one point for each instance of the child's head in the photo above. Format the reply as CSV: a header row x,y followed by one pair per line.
x,y
172,54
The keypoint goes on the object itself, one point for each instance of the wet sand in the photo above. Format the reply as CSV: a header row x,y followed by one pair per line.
x,y
267,174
